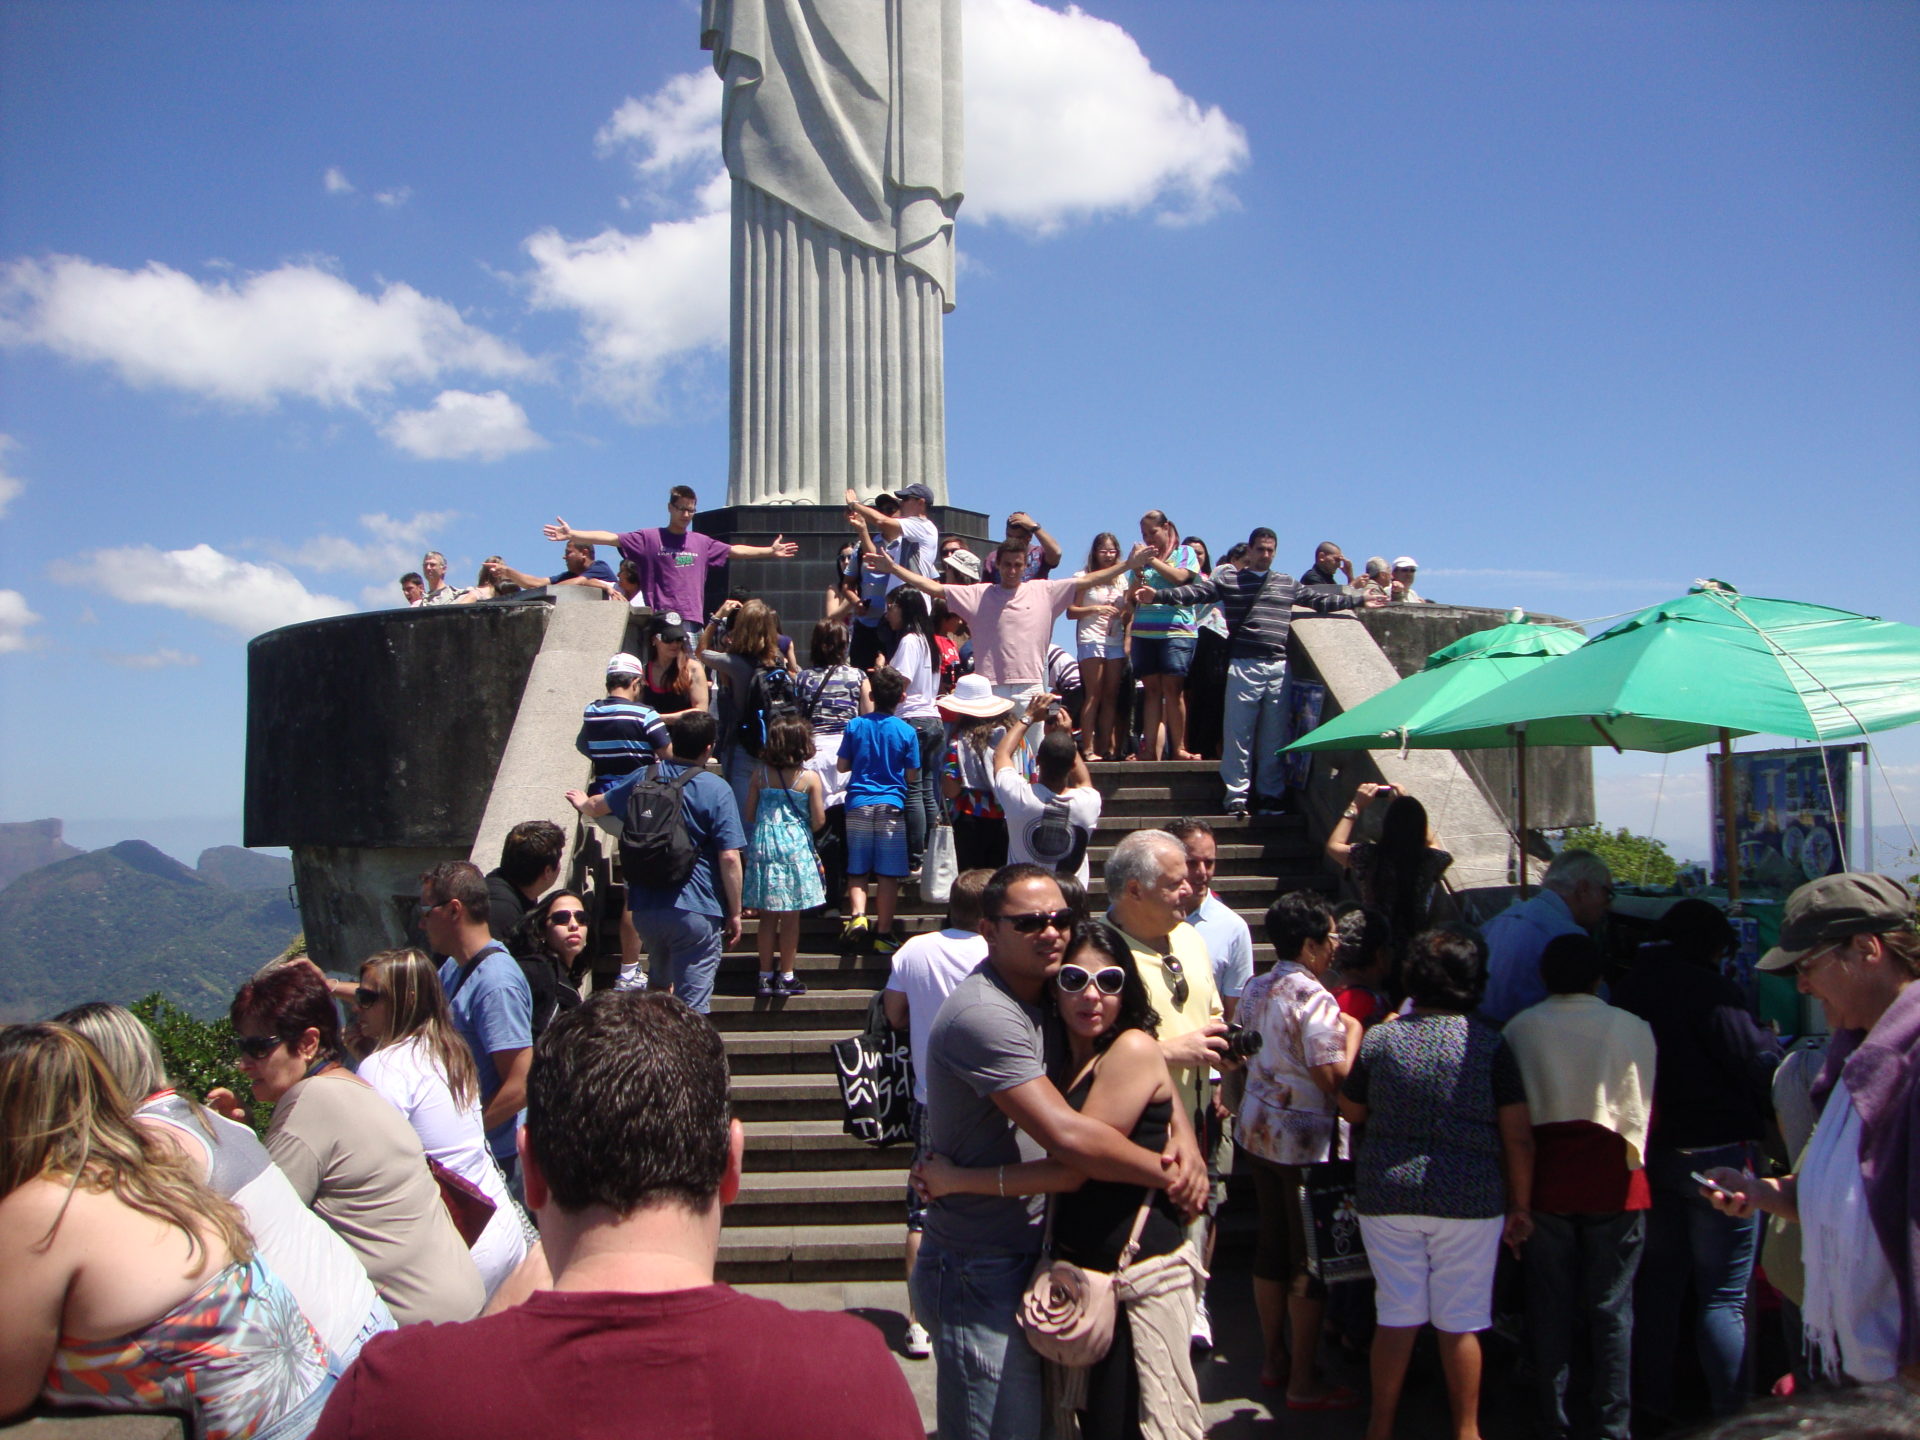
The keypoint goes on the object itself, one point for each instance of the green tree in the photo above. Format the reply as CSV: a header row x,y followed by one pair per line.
x,y
198,1054
1634,859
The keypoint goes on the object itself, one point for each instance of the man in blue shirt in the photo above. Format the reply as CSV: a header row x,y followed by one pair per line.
x,y
491,1001
685,928
582,569
620,733
1575,894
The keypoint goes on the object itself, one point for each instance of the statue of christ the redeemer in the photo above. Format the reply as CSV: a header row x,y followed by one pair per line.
x,y
841,130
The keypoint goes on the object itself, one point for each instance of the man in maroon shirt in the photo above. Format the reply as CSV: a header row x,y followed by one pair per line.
x,y
629,1156
1588,1069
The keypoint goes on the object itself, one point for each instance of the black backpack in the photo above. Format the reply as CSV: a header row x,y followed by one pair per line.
x,y
656,852
770,694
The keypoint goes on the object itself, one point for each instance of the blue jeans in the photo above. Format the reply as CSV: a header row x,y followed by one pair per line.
x,y
989,1381
923,795
1583,1265
1689,1241
1255,728
683,950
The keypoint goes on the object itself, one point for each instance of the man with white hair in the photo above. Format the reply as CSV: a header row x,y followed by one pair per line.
x,y
433,566
1574,896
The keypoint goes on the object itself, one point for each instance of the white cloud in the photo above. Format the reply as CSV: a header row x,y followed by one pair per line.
x,y
677,128
161,659
10,485
296,331
644,301
201,582
1067,119
463,426
15,617
336,181
394,198
392,547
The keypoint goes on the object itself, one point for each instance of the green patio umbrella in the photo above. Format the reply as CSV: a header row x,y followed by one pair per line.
x,y
1470,667
1708,666
1463,671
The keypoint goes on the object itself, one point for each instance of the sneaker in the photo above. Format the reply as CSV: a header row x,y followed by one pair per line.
x,y
919,1343
784,986
766,983
1202,1329
1236,807
886,944
856,934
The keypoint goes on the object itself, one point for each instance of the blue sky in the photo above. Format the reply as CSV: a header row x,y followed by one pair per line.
x,y
1574,303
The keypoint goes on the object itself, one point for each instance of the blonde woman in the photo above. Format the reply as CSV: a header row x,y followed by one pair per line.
x,y
422,1067
129,1285
228,1158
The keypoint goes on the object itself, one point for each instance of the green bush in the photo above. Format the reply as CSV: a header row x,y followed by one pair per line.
x,y
198,1054
1634,859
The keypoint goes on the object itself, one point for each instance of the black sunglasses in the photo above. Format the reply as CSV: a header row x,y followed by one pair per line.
x,y
566,917
365,997
423,909
1180,989
1072,979
1034,921
257,1047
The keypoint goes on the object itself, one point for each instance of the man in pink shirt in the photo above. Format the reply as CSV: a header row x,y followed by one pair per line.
x,y
1012,618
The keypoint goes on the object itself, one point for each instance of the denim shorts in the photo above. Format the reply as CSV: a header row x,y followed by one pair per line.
x,y
1102,650
1163,657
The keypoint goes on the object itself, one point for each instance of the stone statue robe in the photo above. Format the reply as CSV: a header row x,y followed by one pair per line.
x,y
841,129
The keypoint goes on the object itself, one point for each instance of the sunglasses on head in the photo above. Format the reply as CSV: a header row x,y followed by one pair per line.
x,y
566,917
257,1047
1034,921
364,996
1180,988
1072,979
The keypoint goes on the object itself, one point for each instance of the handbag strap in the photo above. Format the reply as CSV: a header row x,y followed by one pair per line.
x,y
1133,1235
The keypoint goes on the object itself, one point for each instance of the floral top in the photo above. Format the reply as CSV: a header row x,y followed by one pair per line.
x,y
1286,1118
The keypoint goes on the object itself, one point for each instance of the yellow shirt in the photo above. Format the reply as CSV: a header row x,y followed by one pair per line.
x,y
1203,1001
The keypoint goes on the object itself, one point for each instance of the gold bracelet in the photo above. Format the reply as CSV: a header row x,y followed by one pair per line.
x,y
1003,1182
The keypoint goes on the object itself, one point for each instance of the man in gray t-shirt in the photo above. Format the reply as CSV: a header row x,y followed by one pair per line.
x,y
990,1102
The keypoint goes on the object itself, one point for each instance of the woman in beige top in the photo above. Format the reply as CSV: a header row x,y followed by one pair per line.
x,y
348,1153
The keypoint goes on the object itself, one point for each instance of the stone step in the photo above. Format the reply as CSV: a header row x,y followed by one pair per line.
x,y
820,1197
841,1010
771,1254
786,1097
782,1052
779,1145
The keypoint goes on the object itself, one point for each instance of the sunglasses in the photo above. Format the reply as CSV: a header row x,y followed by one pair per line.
x,y
257,1047
1033,922
566,917
367,998
423,909
1180,988
1072,979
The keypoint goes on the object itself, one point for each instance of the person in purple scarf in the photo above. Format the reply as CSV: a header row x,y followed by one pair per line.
x,y
1849,940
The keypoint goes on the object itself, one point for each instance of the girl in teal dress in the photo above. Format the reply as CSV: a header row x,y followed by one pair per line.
x,y
785,806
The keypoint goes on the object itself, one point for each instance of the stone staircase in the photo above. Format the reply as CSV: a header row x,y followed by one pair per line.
x,y
818,1205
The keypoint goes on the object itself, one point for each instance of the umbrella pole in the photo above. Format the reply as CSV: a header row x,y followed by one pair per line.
x,y
1728,828
1520,779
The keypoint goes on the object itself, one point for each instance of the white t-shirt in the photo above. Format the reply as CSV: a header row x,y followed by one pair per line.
x,y
406,1075
926,970
920,543
913,658
1025,803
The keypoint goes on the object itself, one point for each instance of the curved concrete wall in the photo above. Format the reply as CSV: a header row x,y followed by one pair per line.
x,y
384,730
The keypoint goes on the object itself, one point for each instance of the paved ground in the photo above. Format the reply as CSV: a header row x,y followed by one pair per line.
x,y
1237,1406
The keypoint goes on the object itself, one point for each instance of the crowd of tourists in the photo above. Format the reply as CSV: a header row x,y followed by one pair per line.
x,y
1444,1127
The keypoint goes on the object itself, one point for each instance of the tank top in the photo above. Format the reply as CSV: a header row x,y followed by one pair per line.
x,y
1091,1224
664,702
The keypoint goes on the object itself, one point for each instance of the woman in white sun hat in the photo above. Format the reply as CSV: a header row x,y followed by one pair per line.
x,y
979,719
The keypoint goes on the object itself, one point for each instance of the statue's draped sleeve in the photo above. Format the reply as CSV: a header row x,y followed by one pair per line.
x,y
849,112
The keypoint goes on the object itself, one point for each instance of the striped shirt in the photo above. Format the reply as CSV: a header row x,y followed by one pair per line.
x,y
1259,605
1162,621
619,736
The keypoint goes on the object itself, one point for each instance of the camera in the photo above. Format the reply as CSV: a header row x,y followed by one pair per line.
x,y
1242,1043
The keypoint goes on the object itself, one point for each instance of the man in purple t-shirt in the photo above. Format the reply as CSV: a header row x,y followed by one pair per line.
x,y
672,560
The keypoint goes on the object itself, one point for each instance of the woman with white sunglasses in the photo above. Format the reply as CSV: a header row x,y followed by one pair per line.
x,y
1119,1077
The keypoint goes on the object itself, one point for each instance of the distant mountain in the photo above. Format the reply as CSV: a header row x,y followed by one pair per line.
x,y
239,869
117,923
28,844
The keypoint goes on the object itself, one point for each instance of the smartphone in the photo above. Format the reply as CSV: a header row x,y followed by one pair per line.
x,y
1705,1183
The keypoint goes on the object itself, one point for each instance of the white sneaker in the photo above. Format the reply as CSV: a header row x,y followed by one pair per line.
x,y
919,1343
1202,1327
632,977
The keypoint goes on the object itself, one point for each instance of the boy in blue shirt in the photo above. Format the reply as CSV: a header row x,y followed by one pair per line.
x,y
878,753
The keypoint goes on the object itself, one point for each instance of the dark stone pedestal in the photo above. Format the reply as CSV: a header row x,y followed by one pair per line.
x,y
797,588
